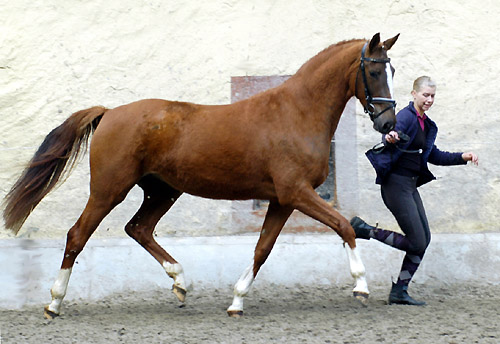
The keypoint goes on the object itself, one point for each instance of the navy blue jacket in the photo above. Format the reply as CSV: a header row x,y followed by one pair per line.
x,y
407,122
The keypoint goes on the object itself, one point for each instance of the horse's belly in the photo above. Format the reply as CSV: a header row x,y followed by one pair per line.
x,y
232,187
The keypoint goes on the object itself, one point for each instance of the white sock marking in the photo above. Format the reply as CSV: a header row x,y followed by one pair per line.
x,y
176,272
357,270
58,290
241,289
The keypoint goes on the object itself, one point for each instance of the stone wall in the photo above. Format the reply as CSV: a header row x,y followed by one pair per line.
x,y
59,57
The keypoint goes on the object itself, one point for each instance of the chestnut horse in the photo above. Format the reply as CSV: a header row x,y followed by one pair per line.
x,y
273,146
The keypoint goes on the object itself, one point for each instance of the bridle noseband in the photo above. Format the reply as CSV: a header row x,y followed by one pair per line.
x,y
370,108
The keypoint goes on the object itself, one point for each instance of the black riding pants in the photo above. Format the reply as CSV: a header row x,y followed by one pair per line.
x,y
401,197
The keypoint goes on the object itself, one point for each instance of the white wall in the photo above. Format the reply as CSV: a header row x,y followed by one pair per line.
x,y
59,57
29,267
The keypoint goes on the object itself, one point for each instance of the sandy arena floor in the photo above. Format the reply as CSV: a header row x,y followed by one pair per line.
x,y
273,314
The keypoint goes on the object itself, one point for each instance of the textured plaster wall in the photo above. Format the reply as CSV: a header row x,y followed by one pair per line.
x,y
57,57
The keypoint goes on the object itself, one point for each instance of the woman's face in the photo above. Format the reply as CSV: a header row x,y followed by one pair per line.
x,y
424,98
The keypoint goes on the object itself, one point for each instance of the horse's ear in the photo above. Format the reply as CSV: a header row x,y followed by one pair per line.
x,y
374,41
390,42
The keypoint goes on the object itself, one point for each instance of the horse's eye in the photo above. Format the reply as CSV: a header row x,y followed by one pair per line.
x,y
374,74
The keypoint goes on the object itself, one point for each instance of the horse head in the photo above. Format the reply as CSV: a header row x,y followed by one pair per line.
x,y
375,73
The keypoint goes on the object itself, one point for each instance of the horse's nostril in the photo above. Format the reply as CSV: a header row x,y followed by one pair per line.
x,y
388,126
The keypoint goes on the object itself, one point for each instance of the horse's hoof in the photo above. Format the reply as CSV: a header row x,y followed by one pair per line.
x,y
361,297
179,292
235,314
48,314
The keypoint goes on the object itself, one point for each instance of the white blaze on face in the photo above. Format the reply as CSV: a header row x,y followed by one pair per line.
x,y
388,71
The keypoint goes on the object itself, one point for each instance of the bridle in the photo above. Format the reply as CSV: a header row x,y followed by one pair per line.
x,y
370,108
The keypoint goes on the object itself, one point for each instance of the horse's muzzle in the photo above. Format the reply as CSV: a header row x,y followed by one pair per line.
x,y
385,126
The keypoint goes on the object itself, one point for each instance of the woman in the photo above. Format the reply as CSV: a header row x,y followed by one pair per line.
x,y
401,168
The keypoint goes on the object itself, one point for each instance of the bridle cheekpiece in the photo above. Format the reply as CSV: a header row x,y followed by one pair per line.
x,y
370,108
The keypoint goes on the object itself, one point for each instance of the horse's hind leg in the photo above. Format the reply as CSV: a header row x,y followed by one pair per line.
x,y
276,217
158,198
78,235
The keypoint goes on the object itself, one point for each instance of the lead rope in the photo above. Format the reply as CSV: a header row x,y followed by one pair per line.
x,y
379,147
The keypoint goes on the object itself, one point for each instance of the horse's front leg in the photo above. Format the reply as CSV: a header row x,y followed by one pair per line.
x,y
276,217
360,291
311,204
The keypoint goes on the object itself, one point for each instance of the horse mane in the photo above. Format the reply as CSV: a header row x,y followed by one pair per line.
x,y
317,60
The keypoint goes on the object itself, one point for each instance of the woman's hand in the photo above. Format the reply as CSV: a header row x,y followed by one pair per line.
x,y
392,137
469,156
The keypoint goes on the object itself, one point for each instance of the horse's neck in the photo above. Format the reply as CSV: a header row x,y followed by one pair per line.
x,y
326,89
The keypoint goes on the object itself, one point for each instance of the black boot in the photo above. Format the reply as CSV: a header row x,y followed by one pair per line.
x,y
361,228
399,296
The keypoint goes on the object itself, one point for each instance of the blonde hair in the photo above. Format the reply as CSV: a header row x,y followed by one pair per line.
x,y
423,81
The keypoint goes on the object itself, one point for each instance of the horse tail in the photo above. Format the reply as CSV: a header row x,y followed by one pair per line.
x,y
61,145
